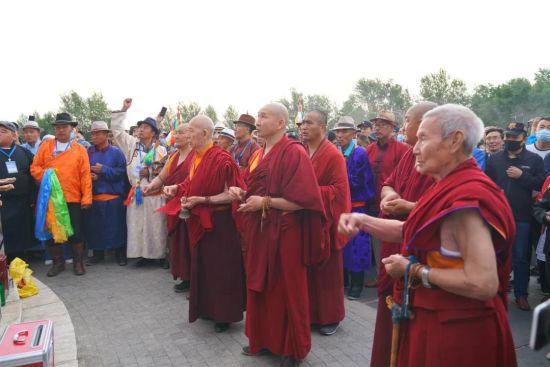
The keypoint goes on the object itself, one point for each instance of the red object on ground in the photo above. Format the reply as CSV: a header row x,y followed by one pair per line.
x,y
28,344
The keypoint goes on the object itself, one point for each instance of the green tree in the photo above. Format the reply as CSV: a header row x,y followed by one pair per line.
x,y
210,111
353,107
231,114
188,110
441,88
374,95
85,110
309,102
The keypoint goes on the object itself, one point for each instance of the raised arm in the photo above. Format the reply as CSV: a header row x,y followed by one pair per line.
x,y
123,140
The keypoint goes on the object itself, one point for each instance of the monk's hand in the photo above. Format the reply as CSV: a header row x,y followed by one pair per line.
x,y
384,202
94,177
191,201
126,104
237,193
395,265
252,204
96,168
350,223
514,172
399,207
170,191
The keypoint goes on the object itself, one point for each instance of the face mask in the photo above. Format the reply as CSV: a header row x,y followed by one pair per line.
x,y
512,146
543,136
400,137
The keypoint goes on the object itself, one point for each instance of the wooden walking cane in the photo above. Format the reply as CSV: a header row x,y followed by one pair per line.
x,y
400,313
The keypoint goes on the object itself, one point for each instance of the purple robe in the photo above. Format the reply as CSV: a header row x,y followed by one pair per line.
x,y
358,251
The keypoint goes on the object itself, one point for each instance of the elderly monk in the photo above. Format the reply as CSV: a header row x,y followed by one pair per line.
x,y
461,232
399,195
326,282
217,277
174,172
282,223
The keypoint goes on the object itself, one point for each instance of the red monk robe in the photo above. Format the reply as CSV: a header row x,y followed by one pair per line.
x,y
383,160
217,277
410,185
180,261
448,329
326,281
280,248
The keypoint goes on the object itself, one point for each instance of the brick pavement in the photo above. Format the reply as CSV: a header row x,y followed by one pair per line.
x,y
124,316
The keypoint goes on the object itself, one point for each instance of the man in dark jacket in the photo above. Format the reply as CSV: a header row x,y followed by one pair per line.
x,y
518,172
17,209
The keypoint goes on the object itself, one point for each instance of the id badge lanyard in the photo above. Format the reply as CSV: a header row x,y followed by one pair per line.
x,y
10,165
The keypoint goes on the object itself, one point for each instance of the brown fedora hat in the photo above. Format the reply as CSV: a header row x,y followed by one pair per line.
x,y
247,120
387,116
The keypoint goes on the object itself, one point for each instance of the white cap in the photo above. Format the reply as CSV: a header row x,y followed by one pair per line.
x,y
219,125
33,125
230,133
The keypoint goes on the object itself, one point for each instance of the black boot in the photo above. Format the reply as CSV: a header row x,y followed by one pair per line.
x,y
182,287
357,283
346,279
97,257
120,256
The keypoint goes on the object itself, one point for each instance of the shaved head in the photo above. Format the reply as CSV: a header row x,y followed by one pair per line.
x,y
181,128
202,122
279,110
201,129
413,118
418,110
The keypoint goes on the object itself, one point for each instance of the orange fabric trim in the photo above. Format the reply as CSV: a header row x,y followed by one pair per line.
x,y
255,159
198,159
105,197
436,260
358,204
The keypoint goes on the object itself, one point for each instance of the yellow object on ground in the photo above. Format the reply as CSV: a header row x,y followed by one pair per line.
x,y
21,274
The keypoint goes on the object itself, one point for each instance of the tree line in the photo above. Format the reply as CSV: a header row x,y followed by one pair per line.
x,y
518,99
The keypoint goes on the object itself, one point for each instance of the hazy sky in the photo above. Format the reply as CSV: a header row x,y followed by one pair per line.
x,y
247,53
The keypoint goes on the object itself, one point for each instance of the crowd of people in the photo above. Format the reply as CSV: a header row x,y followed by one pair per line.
x,y
285,226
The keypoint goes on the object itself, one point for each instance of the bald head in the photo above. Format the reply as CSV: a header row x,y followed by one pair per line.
x,y
202,122
201,129
413,118
181,128
279,110
418,110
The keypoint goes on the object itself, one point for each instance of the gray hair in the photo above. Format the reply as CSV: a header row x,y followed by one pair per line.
x,y
454,117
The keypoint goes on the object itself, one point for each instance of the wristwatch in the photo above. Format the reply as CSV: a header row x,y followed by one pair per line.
x,y
424,275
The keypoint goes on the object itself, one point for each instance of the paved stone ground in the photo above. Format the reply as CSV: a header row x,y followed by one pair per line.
x,y
124,316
